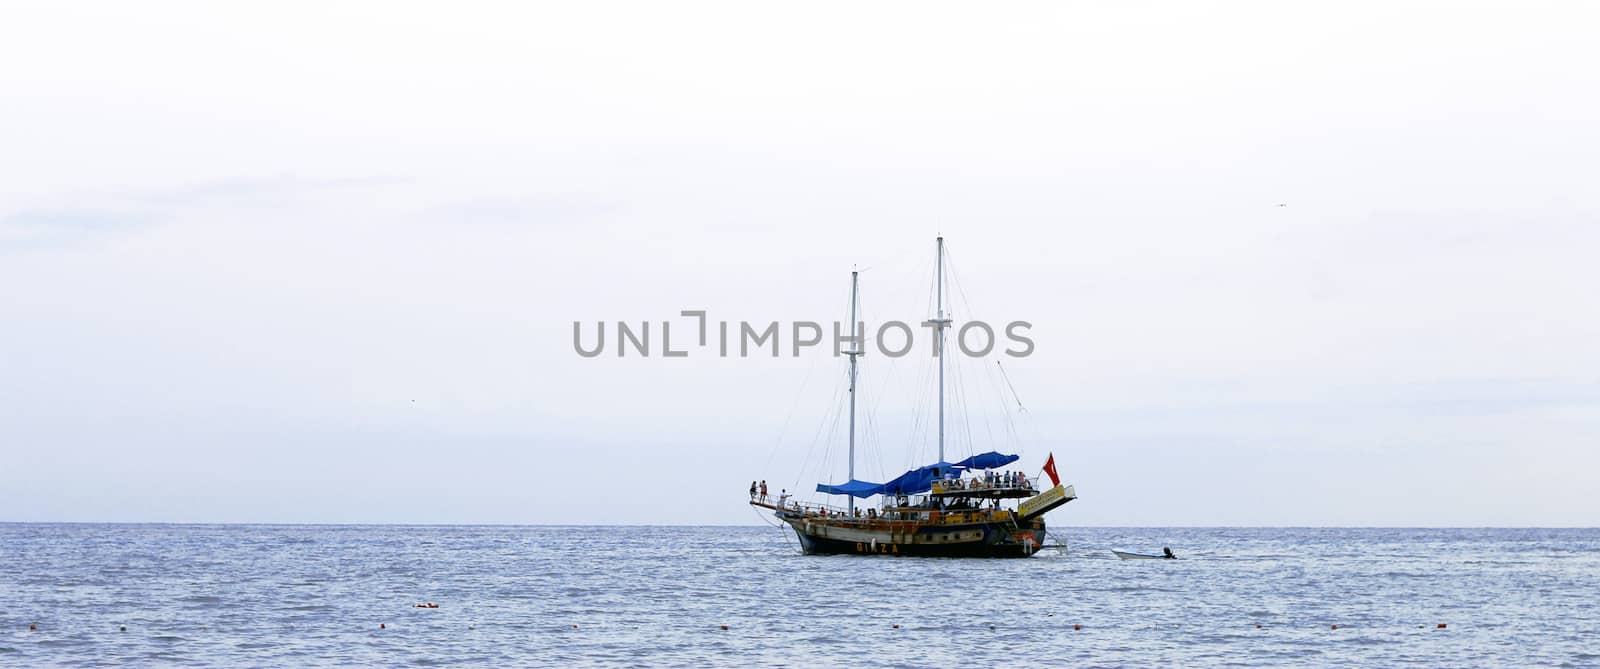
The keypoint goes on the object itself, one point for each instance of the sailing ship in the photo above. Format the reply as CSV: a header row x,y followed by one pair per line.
x,y
966,508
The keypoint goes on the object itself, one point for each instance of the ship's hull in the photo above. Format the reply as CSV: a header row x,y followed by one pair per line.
x,y
978,540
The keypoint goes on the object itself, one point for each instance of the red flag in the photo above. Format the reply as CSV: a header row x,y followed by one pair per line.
x,y
1050,468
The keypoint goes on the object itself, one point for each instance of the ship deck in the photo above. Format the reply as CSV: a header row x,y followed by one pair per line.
x,y
893,518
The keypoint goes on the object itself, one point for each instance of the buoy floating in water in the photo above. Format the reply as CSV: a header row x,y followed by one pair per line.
x,y
1440,627
382,626
1076,626
1334,627
32,627
723,627
895,626
123,628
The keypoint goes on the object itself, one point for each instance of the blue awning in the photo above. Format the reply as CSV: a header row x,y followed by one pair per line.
x,y
853,488
918,480
989,460
910,483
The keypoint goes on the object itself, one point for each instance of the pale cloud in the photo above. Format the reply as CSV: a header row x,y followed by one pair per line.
x,y
82,215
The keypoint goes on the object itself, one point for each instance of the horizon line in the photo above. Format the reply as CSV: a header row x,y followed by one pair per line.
x,y
725,525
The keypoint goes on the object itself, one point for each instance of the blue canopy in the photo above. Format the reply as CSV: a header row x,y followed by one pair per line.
x,y
990,460
853,488
917,480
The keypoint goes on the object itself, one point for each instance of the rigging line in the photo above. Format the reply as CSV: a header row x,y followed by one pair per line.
x,y
966,409
1012,432
832,418
866,377
877,451
1007,377
866,444
1010,424
779,526
955,413
898,262
922,429
988,426
916,431
832,442
918,419
872,434
899,287
987,382
918,395
805,463
763,516
953,278
1004,408
968,406
787,418
877,455
881,389
870,334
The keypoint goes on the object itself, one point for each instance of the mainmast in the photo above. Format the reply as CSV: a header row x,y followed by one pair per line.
x,y
855,350
939,324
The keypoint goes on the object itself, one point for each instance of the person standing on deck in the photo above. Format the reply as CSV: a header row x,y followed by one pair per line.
x,y
763,491
752,490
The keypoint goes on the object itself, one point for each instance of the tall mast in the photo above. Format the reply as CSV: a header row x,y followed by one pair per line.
x,y
854,351
939,350
940,323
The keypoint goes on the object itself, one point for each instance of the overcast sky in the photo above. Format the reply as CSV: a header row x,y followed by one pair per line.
x,y
1286,263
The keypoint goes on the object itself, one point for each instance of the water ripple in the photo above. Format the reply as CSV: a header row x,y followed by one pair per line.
x,y
288,596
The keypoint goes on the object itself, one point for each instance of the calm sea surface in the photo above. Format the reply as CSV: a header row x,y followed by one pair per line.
x,y
293,596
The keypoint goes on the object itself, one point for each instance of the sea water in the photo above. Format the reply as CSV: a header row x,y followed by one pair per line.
x,y
294,596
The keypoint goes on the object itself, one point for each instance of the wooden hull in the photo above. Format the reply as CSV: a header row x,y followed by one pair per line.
x,y
974,540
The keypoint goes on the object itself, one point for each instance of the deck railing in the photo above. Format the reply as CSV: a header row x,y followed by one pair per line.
x,y
979,485
839,514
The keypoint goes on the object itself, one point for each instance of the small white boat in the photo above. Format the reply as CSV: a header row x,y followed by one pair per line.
x,y
1141,556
